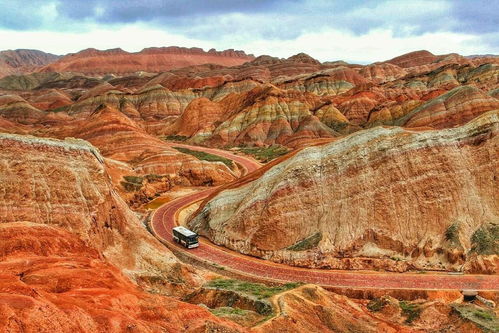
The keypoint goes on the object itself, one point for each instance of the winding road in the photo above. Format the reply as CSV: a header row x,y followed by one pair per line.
x,y
165,218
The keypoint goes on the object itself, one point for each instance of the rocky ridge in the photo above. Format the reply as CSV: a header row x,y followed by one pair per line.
x,y
384,182
117,61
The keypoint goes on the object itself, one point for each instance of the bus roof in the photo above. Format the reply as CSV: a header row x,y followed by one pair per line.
x,y
184,231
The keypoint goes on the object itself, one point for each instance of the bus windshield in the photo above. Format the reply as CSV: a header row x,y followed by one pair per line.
x,y
192,239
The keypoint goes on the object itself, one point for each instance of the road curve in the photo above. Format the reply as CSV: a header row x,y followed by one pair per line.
x,y
165,218
249,165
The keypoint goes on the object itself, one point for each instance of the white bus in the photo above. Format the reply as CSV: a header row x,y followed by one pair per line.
x,y
186,237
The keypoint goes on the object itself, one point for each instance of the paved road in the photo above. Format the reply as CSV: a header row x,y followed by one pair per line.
x,y
165,218
248,164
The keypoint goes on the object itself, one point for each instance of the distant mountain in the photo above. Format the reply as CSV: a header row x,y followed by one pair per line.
x,y
156,59
23,61
488,55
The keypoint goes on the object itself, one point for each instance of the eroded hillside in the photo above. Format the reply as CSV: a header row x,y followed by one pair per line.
x,y
387,198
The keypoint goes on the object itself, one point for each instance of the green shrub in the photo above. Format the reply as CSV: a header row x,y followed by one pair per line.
x,y
257,290
377,304
132,183
134,179
151,178
228,311
485,240
452,235
176,138
483,318
307,243
265,154
60,109
410,310
201,155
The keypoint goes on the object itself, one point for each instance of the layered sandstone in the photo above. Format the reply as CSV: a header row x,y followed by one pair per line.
x,y
22,61
412,59
52,281
262,116
131,152
453,108
17,109
382,198
65,184
117,61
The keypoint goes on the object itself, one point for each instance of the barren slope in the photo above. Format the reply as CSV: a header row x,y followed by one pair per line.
x,y
65,184
387,197
52,281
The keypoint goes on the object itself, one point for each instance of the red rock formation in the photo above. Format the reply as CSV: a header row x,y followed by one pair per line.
x,y
117,61
412,59
382,72
267,115
456,107
23,61
51,99
120,138
304,59
65,184
7,126
200,116
52,281
17,109
363,200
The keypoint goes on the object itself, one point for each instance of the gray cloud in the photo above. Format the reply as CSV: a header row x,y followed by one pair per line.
x,y
267,19
140,10
479,16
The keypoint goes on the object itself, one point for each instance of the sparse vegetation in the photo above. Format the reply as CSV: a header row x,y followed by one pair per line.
x,y
151,178
485,240
60,109
217,266
134,179
132,183
452,235
410,310
307,243
201,155
258,290
176,138
377,304
485,319
265,154
228,311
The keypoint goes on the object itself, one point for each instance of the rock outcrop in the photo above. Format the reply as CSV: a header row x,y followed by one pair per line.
x,y
383,198
264,115
52,281
413,59
131,152
453,108
65,184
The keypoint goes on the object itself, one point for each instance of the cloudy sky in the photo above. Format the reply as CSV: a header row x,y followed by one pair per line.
x,y
353,30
